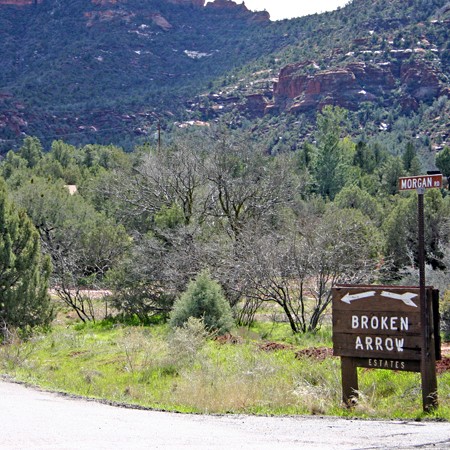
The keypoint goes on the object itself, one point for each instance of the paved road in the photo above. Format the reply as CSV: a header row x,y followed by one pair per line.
x,y
32,419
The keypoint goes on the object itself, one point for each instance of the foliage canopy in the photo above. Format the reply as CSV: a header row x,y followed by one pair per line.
x,y
24,271
204,300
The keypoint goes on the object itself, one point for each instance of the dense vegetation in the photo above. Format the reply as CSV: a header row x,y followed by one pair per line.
x,y
271,230
207,226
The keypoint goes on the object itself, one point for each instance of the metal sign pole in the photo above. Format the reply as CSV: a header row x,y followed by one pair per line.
x,y
427,362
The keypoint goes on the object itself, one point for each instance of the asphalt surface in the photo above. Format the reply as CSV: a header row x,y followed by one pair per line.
x,y
34,419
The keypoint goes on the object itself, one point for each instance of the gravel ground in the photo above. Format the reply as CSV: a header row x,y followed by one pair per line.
x,y
33,419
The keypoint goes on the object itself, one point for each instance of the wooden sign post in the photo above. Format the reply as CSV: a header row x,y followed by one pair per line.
x,y
382,327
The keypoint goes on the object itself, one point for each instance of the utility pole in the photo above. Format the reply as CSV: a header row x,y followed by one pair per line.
x,y
159,135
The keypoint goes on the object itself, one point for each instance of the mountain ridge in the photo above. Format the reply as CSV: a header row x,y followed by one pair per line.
x,y
109,70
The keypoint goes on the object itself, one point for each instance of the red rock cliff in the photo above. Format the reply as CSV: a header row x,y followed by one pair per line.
x,y
20,2
198,3
303,87
104,2
241,9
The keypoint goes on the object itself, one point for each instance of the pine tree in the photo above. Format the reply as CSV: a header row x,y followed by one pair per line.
x,y
409,157
203,299
443,161
24,272
331,157
31,151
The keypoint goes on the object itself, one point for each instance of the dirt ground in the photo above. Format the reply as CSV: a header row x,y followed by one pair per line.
x,y
442,365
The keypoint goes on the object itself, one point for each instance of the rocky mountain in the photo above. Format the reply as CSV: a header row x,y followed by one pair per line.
x,y
110,70
103,68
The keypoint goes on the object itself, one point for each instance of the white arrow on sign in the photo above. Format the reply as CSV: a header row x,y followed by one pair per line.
x,y
406,298
348,298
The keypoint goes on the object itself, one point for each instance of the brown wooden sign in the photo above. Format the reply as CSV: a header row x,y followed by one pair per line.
x,y
377,322
381,327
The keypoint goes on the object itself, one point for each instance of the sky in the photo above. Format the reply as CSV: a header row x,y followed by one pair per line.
x,y
288,9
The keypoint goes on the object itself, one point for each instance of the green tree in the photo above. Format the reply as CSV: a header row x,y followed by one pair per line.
x,y
353,197
408,155
411,162
31,151
12,164
158,269
333,156
365,157
443,161
390,172
61,163
82,243
24,272
415,167
203,299
63,153
400,228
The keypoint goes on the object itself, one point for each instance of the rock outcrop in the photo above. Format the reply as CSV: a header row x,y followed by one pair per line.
x,y
105,2
303,87
12,115
198,3
161,22
111,13
227,4
20,2
107,16
420,80
239,9
255,105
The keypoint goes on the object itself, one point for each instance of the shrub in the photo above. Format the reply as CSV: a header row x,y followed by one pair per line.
x,y
186,341
24,271
203,299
